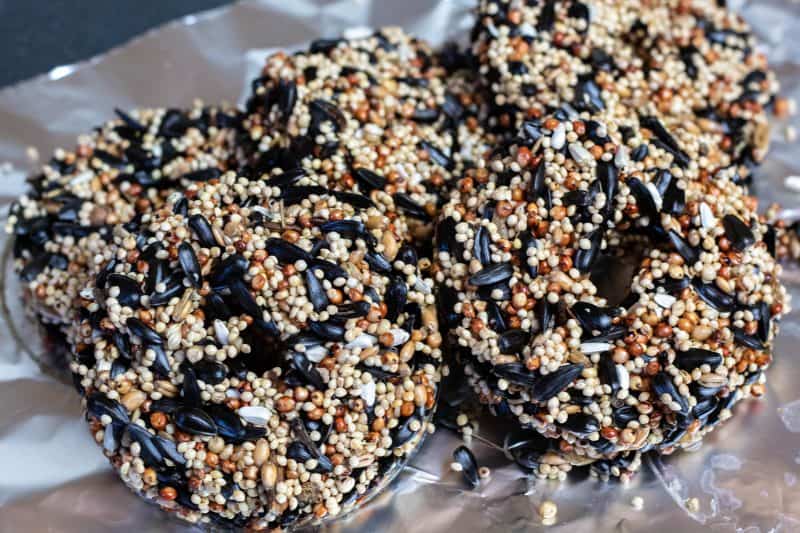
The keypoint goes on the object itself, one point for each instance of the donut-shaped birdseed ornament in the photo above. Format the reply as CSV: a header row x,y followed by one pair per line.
x,y
371,115
688,67
282,369
524,257
126,167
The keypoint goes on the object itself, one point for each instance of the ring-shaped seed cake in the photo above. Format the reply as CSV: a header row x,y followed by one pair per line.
x,y
523,253
280,366
120,170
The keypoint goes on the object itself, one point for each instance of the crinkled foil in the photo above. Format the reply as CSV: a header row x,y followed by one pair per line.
x,y
54,478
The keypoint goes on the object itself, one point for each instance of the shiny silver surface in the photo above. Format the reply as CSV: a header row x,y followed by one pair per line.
x,y
746,477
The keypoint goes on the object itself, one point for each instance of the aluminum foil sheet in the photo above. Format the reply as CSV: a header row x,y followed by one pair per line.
x,y
745,477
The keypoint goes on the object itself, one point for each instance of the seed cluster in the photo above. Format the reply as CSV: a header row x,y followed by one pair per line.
x,y
121,170
631,130
252,331
694,66
249,295
375,115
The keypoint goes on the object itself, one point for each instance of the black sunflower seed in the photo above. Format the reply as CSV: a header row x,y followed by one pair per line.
x,y
287,96
585,258
547,16
581,424
437,156
771,239
147,334
129,291
34,267
202,230
532,130
165,405
666,139
529,242
500,291
228,423
408,255
323,46
148,450
355,199
588,96
695,357
644,199
205,174
174,288
737,232
349,229
169,450
244,299
684,249
545,312
714,296
331,270
623,415
287,178
607,372
553,383
189,264
662,384
129,121
762,313
410,207
672,285
516,373
229,269
395,298
181,206
173,124
425,116
210,372
513,341
286,252
190,390
496,319
492,274
747,340
674,200
592,317
537,188
301,364
369,179
326,330
218,306
322,111
294,194
445,238
316,292
403,432
469,466
480,248
119,366
378,262
160,364
194,421
98,404
703,408
352,310
640,152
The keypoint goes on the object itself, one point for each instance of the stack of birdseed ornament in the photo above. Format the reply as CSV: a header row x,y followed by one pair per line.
x,y
637,126
251,325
